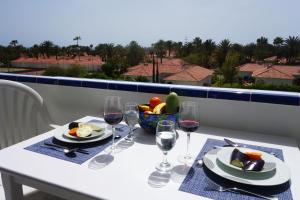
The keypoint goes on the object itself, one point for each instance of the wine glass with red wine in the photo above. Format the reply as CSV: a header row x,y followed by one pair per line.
x,y
113,115
188,122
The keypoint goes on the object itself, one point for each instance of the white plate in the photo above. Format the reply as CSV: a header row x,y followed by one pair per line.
x,y
276,177
224,156
107,132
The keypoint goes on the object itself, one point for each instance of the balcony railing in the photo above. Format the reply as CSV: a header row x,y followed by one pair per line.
x,y
266,112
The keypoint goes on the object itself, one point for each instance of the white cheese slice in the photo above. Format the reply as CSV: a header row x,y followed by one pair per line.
x,y
84,130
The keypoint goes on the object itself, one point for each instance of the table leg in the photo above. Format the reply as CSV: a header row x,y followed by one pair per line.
x,y
13,190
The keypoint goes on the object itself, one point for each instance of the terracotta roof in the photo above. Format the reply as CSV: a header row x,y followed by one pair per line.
x,y
169,66
278,71
84,60
192,73
251,67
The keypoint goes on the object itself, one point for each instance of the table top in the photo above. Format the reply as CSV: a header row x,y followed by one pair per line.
x,y
128,175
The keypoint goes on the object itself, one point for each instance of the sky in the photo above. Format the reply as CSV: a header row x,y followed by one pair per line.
x,y
121,21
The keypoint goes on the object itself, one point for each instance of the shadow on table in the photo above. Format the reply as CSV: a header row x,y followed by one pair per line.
x,y
144,138
124,144
179,173
158,179
100,161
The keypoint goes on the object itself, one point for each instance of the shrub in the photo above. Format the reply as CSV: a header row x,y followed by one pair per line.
x,y
76,71
54,71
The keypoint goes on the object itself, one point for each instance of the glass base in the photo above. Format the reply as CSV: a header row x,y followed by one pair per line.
x,y
186,159
129,138
113,149
164,167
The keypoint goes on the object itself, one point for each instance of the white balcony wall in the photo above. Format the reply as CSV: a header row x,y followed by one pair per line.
x,y
70,103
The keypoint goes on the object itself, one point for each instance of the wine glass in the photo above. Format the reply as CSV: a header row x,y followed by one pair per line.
x,y
189,123
165,140
131,116
113,115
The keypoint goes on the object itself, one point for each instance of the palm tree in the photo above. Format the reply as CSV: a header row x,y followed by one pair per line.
x,y
56,51
13,43
222,51
197,42
278,46
153,65
209,46
292,45
47,48
169,45
77,38
248,51
262,48
160,49
278,41
35,50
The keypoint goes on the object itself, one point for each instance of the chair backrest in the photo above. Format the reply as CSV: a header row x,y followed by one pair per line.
x,y
20,108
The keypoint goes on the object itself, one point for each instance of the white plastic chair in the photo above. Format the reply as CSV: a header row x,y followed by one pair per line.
x,y
21,109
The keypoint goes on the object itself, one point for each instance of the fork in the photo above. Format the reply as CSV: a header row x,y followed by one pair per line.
x,y
219,188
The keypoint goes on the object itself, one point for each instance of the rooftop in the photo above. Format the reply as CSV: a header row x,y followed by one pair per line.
x,y
191,73
168,66
271,71
251,67
84,60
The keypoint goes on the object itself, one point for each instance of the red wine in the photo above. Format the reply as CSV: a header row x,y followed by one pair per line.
x,y
188,125
113,118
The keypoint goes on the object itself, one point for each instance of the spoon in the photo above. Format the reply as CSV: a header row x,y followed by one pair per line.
x,y
70,151
200,162
67,151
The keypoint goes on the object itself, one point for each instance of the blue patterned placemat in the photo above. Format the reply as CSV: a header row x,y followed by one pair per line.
x,y
199,180
92,148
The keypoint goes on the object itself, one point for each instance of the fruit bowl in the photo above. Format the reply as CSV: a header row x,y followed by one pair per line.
x,y
149,121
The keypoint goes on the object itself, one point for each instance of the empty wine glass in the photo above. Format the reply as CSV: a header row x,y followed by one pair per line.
x,y
131,116
113,115
188,122
165,140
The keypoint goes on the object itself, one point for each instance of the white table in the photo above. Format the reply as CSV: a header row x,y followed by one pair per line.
x,y
127,176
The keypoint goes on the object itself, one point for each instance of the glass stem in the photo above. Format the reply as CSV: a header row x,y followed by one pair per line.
x,y
113,137
130,133
165,160
188,144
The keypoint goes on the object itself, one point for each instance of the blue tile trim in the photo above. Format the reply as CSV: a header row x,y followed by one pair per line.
x,y
69,82
154,89
8,77
29,79
44,80
292,100
229,95
95,84
190,92
122,86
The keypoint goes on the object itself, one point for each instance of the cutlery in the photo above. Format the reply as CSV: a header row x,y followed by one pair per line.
x,y
235,189
220,188
66,149
233,144
200,162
